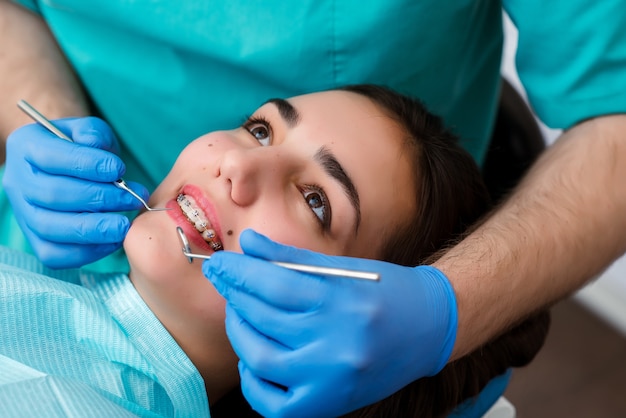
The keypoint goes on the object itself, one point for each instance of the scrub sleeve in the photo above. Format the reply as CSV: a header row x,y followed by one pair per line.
x,y
571,58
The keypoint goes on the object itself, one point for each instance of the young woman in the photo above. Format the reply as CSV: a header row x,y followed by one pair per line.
x,y
361,171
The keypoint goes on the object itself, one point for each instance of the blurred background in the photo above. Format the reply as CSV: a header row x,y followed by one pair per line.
x,y
581,370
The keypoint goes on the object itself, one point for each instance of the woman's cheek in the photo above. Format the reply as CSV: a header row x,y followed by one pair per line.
x,y
292,234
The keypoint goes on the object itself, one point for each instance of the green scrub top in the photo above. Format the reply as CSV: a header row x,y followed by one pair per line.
x,y
163,72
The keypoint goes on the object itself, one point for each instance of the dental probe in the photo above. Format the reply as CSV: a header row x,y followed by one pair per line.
x,y
43,121
323,271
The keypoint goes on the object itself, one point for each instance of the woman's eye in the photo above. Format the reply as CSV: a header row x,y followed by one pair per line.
x,y
260,130
317,201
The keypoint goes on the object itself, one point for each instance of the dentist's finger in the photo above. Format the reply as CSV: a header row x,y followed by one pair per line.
x,y
55,156
79,228
277,286
265,397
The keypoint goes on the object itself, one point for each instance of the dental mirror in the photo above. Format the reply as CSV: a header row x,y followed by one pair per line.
x,y
322,271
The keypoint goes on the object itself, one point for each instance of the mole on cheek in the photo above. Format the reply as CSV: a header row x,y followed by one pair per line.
x,y
229,232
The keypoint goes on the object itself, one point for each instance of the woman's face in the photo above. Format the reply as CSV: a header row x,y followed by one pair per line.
x,y
325,171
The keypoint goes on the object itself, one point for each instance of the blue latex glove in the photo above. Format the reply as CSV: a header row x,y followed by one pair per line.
x,y
324,346
61,191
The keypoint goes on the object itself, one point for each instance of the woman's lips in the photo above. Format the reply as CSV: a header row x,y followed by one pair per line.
x,y
197,218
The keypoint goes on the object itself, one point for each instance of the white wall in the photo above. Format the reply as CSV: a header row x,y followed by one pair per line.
x,y
606,296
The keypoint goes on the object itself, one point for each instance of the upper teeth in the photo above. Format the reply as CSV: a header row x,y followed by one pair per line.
x,y
197,217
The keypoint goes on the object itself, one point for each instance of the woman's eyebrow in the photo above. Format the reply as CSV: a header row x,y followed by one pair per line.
x,y
289,113
323,157
333,168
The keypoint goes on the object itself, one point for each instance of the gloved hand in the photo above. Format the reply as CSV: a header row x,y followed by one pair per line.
x,y
60,191
324,346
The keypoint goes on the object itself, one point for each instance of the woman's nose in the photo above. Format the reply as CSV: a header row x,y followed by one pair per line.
x,y
250,173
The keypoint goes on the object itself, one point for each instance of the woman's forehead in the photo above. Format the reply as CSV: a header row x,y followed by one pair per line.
x,y
335,102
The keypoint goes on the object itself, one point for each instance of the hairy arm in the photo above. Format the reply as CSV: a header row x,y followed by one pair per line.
x,y
33,68
564,224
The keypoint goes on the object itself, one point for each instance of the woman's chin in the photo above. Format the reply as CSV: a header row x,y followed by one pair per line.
x,y
152,251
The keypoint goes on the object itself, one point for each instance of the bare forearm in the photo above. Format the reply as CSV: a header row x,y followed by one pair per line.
x,y
564,224
33,68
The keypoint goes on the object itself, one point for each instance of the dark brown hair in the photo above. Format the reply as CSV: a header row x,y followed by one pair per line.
x,y
451,196
450,193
